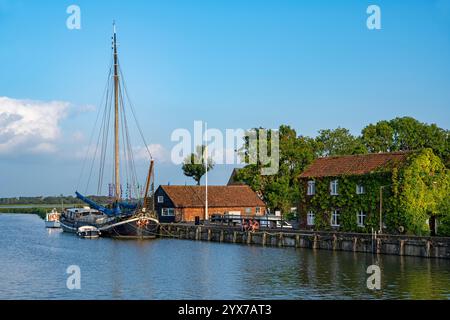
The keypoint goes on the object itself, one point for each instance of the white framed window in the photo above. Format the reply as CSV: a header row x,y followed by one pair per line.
x,y
334,188
335,218
258,210
248,210
160,199
360,189
167,212
310,218
311,188
361,218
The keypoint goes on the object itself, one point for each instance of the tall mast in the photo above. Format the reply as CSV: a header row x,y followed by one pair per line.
x,y
116,119
206,173
148,185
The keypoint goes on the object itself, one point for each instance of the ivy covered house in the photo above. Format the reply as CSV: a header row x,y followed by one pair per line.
x,y
346,193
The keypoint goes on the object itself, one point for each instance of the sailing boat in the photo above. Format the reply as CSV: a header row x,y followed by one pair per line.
x,y
133,217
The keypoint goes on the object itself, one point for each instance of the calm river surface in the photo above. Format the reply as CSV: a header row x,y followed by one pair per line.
x,y
33,263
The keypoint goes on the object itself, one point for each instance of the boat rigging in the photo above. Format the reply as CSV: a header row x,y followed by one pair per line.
x,y
132,215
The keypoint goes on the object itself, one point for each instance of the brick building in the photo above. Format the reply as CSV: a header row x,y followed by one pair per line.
x,y
184,203
347,186
397,192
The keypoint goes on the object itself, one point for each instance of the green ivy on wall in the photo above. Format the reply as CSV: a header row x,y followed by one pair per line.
x,y
422,186
348,202
411,193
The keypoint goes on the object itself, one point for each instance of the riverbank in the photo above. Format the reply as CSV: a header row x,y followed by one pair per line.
x,y
38,209
41,212
426,247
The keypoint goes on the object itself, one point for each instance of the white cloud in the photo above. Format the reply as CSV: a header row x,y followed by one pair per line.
x,y
44,147
28,126
159,153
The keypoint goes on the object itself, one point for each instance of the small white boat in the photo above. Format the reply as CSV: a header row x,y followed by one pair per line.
x,y
88,232
52,219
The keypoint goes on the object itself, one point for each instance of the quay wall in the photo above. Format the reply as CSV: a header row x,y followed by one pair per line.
x,y
402,245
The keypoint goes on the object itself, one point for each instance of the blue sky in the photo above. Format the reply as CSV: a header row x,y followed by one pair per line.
x,y
235,64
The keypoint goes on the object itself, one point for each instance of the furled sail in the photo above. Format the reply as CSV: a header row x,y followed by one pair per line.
x,y
96,206
110,212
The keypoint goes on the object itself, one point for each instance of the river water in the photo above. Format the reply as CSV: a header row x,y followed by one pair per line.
x,y
34,261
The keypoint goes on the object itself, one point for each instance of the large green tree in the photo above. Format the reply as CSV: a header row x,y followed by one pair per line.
x,y
407,134
378,137
194,165
338,142
280,191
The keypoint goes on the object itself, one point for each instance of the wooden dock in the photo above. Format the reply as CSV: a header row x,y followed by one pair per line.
x,y
402,245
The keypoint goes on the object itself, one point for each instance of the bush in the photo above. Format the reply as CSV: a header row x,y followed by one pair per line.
x,y
444,226
444,219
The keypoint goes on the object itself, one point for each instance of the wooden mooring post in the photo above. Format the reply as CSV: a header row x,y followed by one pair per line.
x,y
297,241
209,234
280,240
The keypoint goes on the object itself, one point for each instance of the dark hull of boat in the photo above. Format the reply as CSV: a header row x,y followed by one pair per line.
x,y
133,228
70,226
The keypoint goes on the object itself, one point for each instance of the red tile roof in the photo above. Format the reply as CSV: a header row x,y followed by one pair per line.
x,y
218,196
353,165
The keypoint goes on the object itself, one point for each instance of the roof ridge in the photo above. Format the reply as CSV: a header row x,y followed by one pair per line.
x,y
354,164
367,154
209,186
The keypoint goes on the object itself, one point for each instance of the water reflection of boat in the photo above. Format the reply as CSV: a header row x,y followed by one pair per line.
x,y
132,216
52,219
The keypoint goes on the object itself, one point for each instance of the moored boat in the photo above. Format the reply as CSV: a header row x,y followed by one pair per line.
x,y
132,216
52,219
88,232
74,218
141,227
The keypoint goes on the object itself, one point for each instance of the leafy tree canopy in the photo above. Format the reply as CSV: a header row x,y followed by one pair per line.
x,y
405,134
338,142
194,164
280,191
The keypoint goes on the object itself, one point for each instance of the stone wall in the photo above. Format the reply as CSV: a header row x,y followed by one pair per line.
x,y
428,247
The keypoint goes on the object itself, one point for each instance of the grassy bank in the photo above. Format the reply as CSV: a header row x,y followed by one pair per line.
x,y
39,211
51,206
